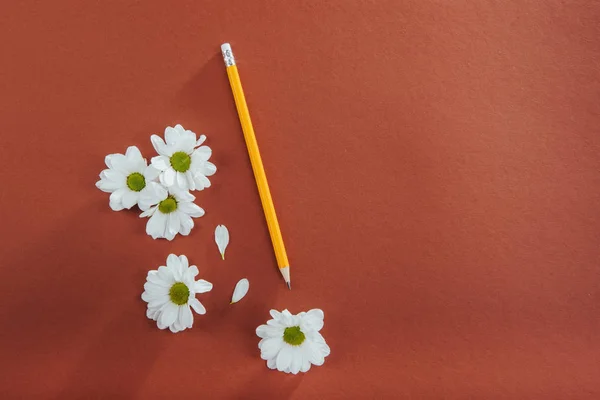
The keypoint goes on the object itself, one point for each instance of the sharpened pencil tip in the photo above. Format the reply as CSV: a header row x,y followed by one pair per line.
x,y
289,285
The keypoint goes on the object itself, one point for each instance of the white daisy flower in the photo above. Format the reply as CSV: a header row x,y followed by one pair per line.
x,y
182,163
291,343
126,178
170,292
170,211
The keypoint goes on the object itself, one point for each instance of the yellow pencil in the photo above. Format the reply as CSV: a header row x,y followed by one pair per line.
x,y
257,165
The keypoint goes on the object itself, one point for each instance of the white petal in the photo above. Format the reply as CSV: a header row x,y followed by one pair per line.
x,y
161,163
168,177
284,358
148,212
305,361
130,199
182,196
286,318
202,153
157,301
268,331
202,286
187,223
169,315
241,288
120,163
114,176
157,280
272,363
314,354
166,274
108,186
198,307
201,140
201,182
171,135
296,363
152,313
184,261
151,173
191,273
270,348
116,199
133,154
173,226
191,209
169,234
152,194
186,142
185,316
208,169
156,225
107,161
159,145
222,239
190,180
173,262
181,181
312,320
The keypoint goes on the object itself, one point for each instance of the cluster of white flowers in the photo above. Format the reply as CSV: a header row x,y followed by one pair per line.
x,y
289,343
162,189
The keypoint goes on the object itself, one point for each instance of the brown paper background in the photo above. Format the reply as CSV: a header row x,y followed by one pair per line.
x,y
434,164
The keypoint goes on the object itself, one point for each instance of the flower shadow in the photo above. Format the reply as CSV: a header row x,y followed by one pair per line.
x,y
68,297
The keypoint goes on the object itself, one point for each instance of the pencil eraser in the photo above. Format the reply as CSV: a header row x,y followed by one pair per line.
x,y
227,54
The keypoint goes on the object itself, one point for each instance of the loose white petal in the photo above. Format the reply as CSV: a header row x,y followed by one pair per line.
x,y
241,288
222,239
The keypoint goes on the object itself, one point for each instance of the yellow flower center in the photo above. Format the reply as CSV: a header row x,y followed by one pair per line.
x,y
179,293
293,335
168,205
180,161
136,182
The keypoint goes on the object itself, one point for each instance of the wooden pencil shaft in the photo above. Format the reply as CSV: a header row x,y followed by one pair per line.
x,y
257,167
